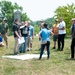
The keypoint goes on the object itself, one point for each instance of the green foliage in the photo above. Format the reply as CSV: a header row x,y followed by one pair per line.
x,y
36,29
36,24
7,9
24,17
50,22
67,12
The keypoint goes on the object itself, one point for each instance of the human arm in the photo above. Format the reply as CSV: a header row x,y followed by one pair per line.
x,y
51,32
33,33
40,35
21,27
17,31
62,26
17,34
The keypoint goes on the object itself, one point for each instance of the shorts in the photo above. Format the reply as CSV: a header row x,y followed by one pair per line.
x,y
29,40
55,38
5,37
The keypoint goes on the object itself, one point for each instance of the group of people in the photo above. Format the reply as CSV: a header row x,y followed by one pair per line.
x,y
26,30
23,30
58,31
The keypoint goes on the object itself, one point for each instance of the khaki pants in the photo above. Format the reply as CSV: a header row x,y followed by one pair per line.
x,y
17,45
5,37
29,40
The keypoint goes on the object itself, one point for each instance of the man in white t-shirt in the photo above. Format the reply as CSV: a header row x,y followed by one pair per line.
x,y
61,34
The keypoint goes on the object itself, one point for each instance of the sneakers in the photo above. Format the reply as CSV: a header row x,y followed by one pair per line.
x,y
29,49
17,53
54,47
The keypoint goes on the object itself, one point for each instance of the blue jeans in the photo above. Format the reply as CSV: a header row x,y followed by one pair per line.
x,y
24,45
43,47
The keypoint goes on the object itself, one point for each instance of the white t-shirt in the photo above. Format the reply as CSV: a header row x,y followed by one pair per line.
x,y
61,25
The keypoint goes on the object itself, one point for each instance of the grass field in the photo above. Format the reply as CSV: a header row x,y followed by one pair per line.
x,y
59,63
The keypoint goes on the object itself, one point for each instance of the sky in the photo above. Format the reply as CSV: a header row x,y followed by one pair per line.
x,y
40,9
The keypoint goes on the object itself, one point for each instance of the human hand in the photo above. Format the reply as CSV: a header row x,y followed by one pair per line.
x,y
19,37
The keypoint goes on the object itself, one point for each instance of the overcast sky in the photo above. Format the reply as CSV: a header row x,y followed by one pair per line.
x,y
41,9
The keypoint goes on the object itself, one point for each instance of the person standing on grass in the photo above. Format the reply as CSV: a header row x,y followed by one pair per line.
x,y
4,31
42,23
73,38
17,35
61,34
30,36
72,24
55,31
45,41
25,32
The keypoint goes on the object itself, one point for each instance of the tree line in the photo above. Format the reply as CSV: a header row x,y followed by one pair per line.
x,y
67,12
7,9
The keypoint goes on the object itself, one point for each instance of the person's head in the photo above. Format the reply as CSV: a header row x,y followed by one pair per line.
x,y
56,20
17,21
73,20
45,25
42,21
42,25
26,23
4,20
61,19
29,22
22,23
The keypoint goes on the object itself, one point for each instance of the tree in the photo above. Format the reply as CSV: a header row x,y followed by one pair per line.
x,y
50,22
8,12
67,12
24,17
36,29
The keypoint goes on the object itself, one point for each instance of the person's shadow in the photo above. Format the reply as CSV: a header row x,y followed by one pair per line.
x,y
70,59
9,54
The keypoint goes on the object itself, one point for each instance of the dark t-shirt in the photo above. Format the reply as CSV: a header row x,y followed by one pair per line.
x,y
24,31
3,28
16,27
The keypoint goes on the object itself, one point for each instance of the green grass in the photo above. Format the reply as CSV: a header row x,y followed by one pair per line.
x,y
59,63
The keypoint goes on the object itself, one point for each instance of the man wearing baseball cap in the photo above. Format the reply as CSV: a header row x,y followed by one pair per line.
x,y
55,31
4,31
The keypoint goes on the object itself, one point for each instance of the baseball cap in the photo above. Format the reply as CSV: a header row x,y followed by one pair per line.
x,y
73,19
56,20
5,19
